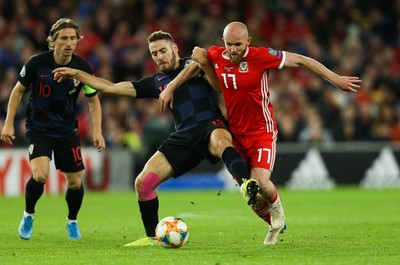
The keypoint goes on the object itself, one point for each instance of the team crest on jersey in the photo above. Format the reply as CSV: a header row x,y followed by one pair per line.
x,y
30,149
76,82
243,67
23,72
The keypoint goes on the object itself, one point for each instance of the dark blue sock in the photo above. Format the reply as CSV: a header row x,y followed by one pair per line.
x,y
235,164
33,192
74,200
149,212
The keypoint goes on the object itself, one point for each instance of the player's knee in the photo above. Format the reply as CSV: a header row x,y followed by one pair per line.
x,y
146,185
220,138
224,143
75,185
40,176
138,182
74,180
218,147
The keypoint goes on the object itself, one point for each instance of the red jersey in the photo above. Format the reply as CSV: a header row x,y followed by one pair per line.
x,y
246,90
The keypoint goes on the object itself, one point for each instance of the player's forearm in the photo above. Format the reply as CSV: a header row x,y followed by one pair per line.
x,y
13,104
190,71
211,75
296,60
103,85
321,70
95,114
97,83
199,55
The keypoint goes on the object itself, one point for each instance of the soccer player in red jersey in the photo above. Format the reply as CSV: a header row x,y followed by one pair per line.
x,y
243,72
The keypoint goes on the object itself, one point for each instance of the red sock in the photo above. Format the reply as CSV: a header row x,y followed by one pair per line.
x,y
262,210
271,199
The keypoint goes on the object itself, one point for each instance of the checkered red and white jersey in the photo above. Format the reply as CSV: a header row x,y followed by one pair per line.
x,y
245,88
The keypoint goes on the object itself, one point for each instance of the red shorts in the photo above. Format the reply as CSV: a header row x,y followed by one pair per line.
x,y
257,150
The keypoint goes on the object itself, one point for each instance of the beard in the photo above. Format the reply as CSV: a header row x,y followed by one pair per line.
x,y
171,65
237,57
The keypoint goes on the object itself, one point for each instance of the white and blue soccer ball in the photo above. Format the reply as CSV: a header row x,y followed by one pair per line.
x,y
172,232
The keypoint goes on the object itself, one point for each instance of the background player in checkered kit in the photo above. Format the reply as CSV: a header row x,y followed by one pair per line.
x,y
51,122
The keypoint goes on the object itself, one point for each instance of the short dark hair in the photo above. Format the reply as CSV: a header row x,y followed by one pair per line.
x,y
60,24
160,35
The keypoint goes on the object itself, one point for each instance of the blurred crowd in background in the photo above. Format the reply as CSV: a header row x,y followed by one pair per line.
x,y
351,37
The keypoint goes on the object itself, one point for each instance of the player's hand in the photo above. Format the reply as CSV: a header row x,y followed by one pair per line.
x,y
62,73
99,142
7,134
349,84
199,55
166,97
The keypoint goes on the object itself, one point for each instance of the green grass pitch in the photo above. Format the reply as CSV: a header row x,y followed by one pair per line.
x,y
346,225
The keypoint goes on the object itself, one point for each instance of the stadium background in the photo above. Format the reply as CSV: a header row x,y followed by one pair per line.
x,y
348,36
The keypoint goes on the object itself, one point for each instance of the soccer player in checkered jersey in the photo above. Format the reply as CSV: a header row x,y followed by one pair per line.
x,y
201,130
243,72
51,122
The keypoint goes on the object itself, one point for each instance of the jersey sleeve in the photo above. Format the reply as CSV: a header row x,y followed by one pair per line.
x,y
27,72
211,53
272,59
146,88
87,90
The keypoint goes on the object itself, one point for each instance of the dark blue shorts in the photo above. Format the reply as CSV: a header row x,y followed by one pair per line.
x,y
184,150
67,150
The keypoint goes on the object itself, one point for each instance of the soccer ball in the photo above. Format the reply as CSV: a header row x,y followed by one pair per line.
x,y
172,232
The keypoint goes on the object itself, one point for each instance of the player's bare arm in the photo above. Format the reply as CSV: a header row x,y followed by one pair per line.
x,y
125,88
348,84
166,97
199,55
8,131
95,116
